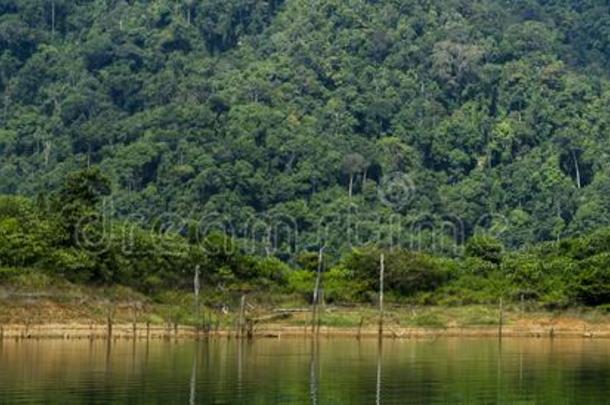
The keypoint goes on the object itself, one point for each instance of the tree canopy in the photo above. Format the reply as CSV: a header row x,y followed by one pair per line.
x,y
425,112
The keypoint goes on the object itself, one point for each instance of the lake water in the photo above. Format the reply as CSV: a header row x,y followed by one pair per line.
x,y
296,371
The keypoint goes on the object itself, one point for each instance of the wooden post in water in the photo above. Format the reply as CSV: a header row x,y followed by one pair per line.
x,y
135,320
242,307
381,271
28,320
249,328
501,320
168,326
316,289
196,288
109,323
321,309
109,320
360,327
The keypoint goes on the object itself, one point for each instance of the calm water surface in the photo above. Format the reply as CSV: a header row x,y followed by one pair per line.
x,y
287,371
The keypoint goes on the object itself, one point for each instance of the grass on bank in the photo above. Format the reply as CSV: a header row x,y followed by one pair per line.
x,y
34,297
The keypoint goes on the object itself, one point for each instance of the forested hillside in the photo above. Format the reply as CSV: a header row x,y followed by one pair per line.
x,y
489,113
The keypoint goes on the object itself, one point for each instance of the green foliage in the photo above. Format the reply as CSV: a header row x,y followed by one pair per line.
x,y
277,107
405,272
84,187
340,120
302,283
592,284
272,269
33,250
340,286
77,201
428,320
8,274
485,248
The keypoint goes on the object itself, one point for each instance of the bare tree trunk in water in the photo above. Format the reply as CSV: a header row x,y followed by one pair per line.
x,y
501,320
241,315
196,288
314,312
109,320
134,320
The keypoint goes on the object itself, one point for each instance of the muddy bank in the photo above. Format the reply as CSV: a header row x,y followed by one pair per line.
x,y
147,331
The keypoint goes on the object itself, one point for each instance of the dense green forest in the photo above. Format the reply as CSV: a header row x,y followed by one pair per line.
x,y
49,237
466,139
446,117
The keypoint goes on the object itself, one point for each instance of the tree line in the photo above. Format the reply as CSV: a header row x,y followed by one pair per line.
x,y
63,236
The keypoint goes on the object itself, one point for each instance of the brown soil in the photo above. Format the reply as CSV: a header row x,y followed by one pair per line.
x,y
557,328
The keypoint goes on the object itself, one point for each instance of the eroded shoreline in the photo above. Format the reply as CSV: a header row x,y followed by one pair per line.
x,y
144,331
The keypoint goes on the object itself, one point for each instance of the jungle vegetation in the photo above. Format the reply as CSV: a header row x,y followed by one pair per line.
x,y
481,127
65,237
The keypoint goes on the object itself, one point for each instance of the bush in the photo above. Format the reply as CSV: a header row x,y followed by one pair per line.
x,y
486,248
272,269
405,272
592,285
340,285
302,283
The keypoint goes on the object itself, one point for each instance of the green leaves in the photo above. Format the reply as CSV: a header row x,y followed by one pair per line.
x,y
250,108
592,284
486,248
85,187
26,236
406,272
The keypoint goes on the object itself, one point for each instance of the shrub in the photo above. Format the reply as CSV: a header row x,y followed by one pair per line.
x,y
405,272
592,285
486,248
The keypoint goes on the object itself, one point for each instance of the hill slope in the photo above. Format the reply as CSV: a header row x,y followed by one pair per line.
x,y
440,116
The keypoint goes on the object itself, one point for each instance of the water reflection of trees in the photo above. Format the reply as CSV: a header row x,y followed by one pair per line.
x,y
297,371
